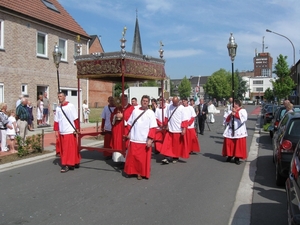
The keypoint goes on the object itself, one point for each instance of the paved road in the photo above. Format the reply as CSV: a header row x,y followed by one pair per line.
x,y
200,190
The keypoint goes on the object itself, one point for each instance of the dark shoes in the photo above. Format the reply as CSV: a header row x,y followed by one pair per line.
x,y
229,158
165,161
237,161
64,169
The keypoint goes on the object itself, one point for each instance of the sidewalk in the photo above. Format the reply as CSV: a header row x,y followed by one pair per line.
x,y
49,135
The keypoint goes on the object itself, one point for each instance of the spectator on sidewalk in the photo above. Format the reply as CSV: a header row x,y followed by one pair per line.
x,y
40,109
46,108
11,132
86,111
22,115
4,124
30,116
18,102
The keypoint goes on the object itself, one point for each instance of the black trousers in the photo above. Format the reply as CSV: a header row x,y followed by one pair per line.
x,y
201,121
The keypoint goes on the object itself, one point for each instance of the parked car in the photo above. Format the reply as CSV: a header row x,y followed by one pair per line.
x,y
279,113
269,112
284,143
264,108
292,187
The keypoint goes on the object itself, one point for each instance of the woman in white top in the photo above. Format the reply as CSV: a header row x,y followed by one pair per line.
x,y
86,111
11,133
40,108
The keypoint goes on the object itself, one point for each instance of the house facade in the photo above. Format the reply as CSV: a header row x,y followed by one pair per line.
x,y
29,30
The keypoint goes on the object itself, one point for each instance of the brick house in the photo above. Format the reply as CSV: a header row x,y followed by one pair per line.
x,y
99,91
29,30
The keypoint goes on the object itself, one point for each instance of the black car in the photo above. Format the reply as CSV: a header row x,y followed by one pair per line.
x,y
264,108
269,112
279,113
292,187
284,143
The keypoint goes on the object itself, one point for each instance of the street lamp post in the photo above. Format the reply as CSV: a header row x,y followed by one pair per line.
x,y
232,46
294,55
56,58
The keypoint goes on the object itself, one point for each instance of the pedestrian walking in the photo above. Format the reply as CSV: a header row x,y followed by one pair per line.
x,y
236,145
66,124
142,123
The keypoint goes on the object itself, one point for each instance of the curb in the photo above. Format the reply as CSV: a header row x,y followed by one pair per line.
x,y
241,210
36,159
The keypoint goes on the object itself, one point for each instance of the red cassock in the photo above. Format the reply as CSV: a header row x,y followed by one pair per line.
x,y
175,144
67,144
160,133
235,147
138,158
191,137
117,129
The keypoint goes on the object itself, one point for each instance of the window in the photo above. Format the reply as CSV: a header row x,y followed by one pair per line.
x,y
63,49
42,43
65,92
49,5
258,82
24,89
1,92
259,89
1,34
73,93
77,49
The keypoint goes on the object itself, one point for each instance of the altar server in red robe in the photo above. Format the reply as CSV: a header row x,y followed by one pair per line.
x,y
66,126
142,125
236,145
191,136
106,125
120,128
162,122
174,145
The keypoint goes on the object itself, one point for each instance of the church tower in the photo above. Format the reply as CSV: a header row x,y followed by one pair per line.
x,y
137,43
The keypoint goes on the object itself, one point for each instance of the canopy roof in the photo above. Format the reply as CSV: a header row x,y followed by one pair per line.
x,y
108,66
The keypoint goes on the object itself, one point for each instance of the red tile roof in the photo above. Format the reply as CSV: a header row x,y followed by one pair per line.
x,y
37,10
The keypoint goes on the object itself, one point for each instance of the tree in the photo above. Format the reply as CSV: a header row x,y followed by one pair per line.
x,y
218,85
269,95
282,86
150,83
118,89
184,88
242,86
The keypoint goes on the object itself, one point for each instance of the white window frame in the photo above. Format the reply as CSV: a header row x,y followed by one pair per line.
x,y
2,94
45,44
64,49
25,92
1,34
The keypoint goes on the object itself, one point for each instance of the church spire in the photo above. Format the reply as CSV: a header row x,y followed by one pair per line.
x,y
137,43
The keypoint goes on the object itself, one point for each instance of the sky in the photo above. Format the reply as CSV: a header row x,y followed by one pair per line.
x,y
195,33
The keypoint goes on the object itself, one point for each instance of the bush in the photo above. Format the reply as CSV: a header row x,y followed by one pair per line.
x,y
266,126
33,144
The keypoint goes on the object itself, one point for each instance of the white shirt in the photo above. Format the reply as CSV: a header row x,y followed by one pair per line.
x,y
64,125
158,114
191,112
12,131
178,117
139,132
106,115
240,129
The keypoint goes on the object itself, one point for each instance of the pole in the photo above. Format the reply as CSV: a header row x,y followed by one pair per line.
x,y
58,86
294,55
232,69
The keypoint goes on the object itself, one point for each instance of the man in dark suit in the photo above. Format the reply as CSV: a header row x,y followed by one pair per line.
x,y
202,109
